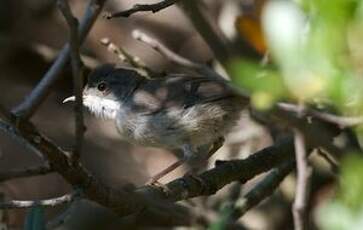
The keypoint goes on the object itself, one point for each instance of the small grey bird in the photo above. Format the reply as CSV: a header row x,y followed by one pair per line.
x,y
177,112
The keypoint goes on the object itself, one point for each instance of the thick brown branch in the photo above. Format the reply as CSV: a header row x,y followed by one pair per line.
x,y
224,173
27,172
11,204
122,201
77,73
125,202
31,102
143,7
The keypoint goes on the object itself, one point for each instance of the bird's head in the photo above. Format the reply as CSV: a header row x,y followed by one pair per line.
x,y
106,90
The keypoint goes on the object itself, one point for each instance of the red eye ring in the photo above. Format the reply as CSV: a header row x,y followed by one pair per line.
x,y
102,86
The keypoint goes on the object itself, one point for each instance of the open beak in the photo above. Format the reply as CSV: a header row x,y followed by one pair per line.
x,y
68,99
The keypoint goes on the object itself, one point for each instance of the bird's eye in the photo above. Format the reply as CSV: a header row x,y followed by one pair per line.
x,y
102,86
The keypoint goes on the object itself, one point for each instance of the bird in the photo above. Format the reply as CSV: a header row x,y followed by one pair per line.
x,y
178,112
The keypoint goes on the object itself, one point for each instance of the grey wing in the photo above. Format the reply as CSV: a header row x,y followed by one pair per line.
x,y
180,91
185,109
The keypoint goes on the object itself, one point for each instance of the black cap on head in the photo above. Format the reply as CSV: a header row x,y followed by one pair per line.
x,y
100,72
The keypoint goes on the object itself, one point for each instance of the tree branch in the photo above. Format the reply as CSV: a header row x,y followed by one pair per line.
x,y
125,202
31,102
201,23
261,190
342,122
77,73
143,7
122,201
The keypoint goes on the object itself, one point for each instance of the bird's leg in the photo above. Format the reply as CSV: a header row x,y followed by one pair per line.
x,y
154,179
196,161
187,154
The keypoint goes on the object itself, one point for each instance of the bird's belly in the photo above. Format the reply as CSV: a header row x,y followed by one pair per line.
x,y
197,126
142,130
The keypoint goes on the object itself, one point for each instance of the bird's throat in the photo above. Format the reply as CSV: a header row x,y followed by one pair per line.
x,y
104,108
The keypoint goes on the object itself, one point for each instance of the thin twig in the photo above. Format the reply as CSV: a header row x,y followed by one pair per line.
x,y
143,7
237,207
215,40
31,102
302,188
126,57
261,190
27,172
77,73
174,57
341,121
14,204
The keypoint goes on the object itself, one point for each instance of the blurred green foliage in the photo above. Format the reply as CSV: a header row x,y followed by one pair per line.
x,y
316,56
345,210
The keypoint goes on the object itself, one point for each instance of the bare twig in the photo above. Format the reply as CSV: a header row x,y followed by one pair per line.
x,y
237,207
341,121
303,175
143,7
31,203
216,43
77,73
261,190
172,56
27,172
126,57
30,104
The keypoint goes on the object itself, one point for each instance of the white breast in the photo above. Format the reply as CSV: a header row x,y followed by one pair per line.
x,y
101,107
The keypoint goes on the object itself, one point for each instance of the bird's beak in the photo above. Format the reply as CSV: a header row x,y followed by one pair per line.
x,y
68,99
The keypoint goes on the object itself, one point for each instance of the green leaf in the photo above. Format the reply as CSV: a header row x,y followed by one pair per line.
x,y
264,84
